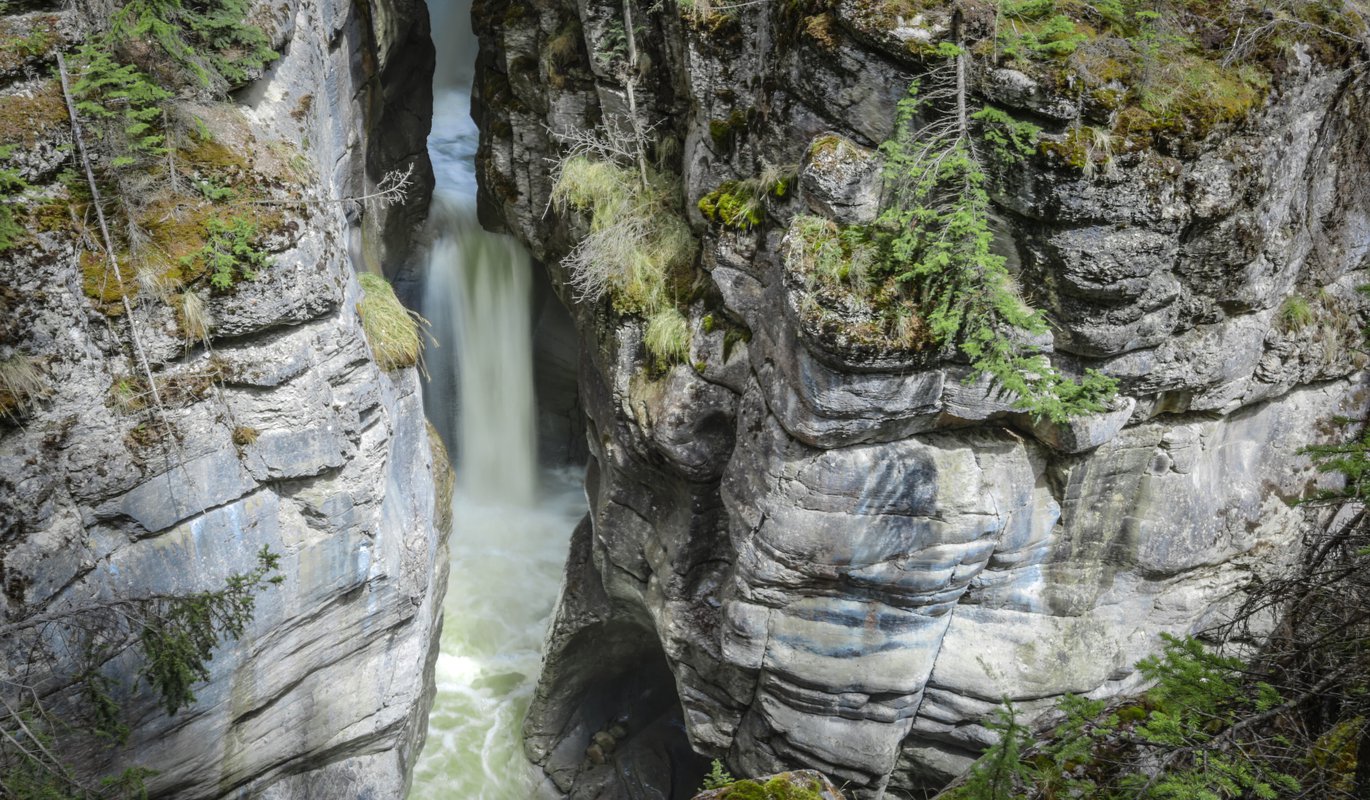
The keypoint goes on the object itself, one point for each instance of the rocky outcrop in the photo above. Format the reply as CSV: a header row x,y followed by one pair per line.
x,y
276,429
850,556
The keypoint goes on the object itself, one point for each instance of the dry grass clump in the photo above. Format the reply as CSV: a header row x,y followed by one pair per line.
x,y
391,329
195,318
639,251
638,240
22,383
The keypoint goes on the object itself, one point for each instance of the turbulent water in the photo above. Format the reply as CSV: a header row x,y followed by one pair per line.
x,y
512,522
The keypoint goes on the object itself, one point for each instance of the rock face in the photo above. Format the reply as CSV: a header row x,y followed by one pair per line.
x,y
286,435
848,560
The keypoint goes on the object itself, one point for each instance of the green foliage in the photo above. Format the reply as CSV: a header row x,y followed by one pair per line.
x,y
936,235
717,778
999,773
1034,29
109,91
1349,460
179,634
230,253
639,250
213,191
1195,706
732,207
741,204
1009,139
209,39
175,634
1295,313
1169,70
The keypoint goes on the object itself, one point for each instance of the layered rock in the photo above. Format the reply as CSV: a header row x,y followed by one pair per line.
x,y
277,429
850,556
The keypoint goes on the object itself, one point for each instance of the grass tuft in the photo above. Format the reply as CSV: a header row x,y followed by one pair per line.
x,y
391,329
195,318
638,246
668,336
22,383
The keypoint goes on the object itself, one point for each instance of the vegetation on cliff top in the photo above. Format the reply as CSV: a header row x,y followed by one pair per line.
x,y
926,269
1151,72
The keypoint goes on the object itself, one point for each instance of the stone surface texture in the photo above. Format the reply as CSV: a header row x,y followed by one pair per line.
x,y
287,435
849,559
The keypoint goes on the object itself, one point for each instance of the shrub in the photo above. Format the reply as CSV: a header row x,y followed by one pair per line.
x,y
390,328
230,253
211,40
717,778
124,97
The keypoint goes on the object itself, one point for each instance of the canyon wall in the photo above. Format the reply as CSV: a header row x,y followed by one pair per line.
x,y
848,556
274,425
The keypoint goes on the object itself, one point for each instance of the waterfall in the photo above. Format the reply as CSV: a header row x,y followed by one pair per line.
x,y
511,520
477,296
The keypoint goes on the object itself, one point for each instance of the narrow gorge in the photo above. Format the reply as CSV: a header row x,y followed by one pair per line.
x,y
509,400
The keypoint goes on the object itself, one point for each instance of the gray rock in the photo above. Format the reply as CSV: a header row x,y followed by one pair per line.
x,y
840,180
285,435
883,559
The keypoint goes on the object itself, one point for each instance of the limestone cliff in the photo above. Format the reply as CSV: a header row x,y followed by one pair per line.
x,y
276,427
848,554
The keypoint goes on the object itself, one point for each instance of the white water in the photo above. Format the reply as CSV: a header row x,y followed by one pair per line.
x,y
512,523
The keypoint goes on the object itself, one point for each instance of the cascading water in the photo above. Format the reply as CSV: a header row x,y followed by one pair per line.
x,y
512,523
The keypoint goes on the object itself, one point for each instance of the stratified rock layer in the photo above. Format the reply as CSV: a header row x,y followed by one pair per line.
x,y
849,557
285,435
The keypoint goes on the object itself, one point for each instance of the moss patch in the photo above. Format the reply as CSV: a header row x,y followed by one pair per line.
x,y
26,40
1170,71
37,115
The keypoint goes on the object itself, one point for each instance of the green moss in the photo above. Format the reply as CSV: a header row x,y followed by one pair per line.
x,y
741,205
732,206
791,787
32,118
745,790
27,39
1178,69
725,132
779,787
